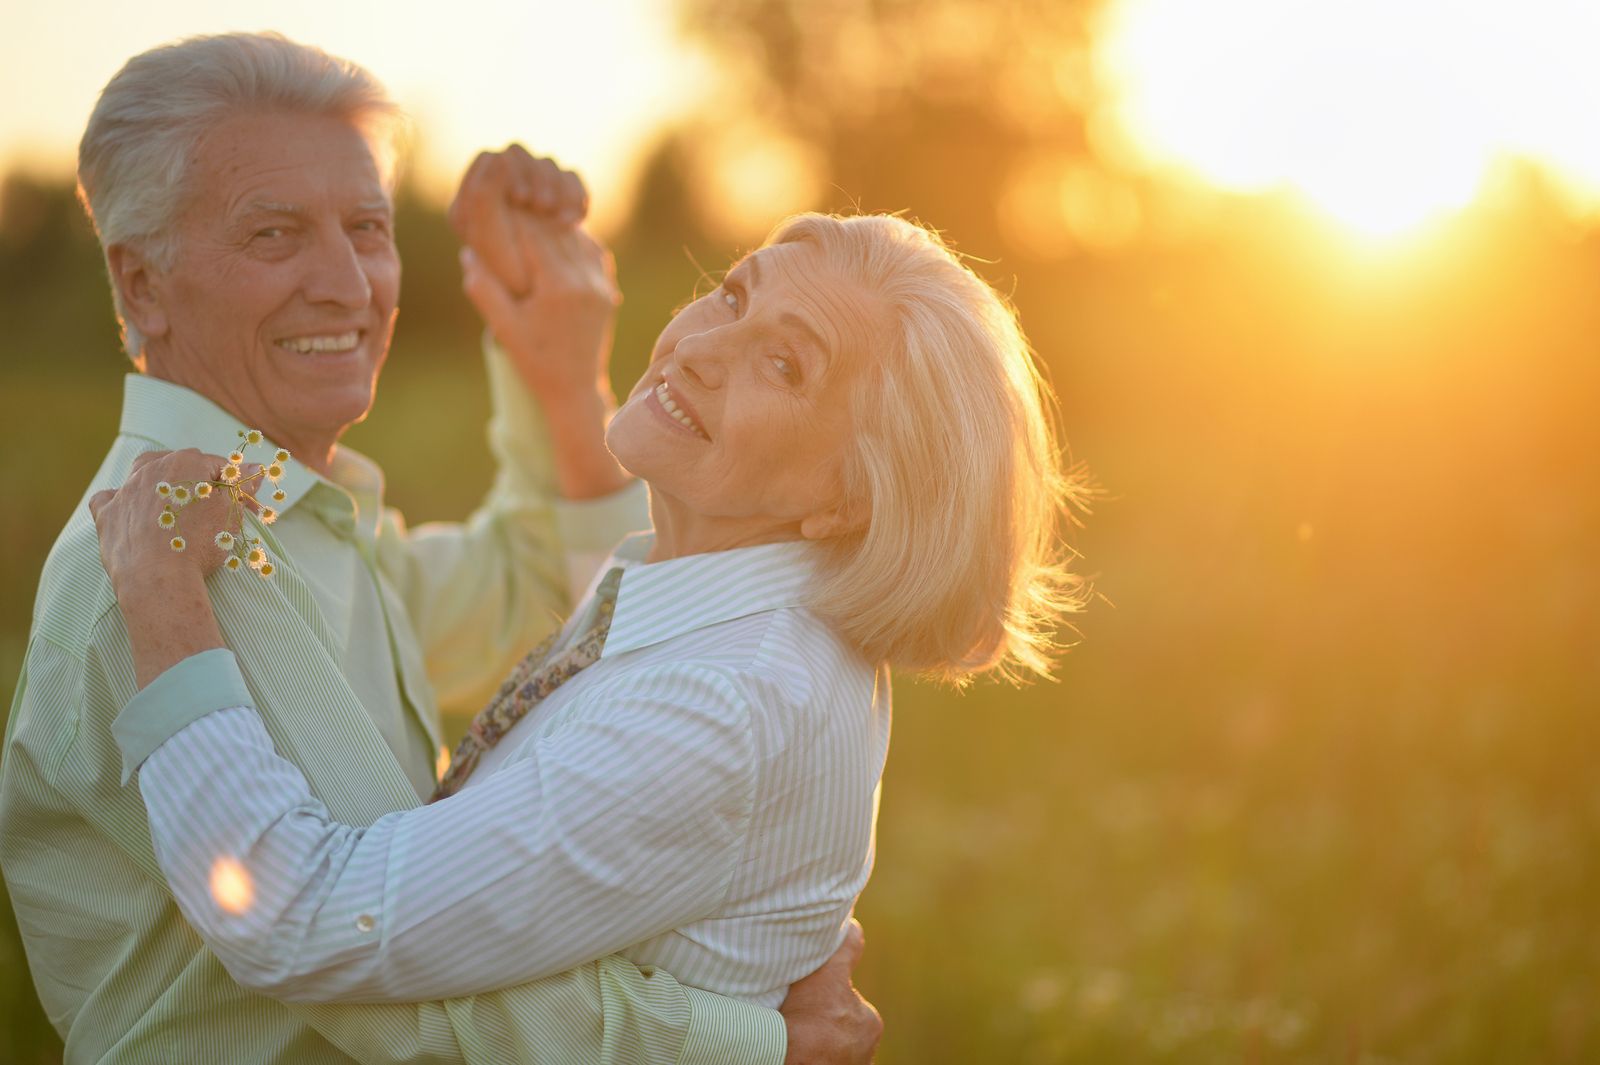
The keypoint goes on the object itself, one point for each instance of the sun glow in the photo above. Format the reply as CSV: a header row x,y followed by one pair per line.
x,y
1384,113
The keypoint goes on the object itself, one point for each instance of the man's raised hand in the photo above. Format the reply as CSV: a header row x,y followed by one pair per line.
x,y
499,185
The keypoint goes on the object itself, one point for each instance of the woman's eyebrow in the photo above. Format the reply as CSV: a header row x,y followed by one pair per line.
x,y
789,318
795,321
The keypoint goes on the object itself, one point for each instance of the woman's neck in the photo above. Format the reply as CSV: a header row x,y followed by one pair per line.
x,y
680,531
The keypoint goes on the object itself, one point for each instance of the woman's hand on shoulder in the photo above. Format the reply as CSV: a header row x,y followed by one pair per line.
x,y
158,547
150,539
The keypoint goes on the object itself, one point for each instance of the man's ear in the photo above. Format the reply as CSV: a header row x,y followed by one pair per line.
x,y
840,520
138,285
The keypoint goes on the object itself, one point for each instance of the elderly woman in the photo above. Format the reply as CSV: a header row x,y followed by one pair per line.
x,y
851,468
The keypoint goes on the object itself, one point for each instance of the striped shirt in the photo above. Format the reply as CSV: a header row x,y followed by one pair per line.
x,y
701,800
120,974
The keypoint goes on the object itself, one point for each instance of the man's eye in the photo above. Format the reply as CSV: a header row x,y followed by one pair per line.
x,y
730,298
786,369
270,232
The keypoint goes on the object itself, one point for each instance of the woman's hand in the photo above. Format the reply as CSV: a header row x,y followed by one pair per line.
x,y
499,185
548,292
559,334
160,591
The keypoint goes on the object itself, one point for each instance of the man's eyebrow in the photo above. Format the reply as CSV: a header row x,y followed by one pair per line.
x,y
272,207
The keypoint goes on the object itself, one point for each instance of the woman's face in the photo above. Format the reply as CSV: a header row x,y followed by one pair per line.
x,y
741,422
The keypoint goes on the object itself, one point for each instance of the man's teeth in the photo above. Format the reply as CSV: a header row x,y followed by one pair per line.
x,y
306,345
665,399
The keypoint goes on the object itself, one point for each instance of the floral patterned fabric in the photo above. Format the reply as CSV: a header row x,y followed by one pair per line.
x,y
530,681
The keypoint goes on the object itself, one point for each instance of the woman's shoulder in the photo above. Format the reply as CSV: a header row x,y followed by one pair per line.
x,y
781,660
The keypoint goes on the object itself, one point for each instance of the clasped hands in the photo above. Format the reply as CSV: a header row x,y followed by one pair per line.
x,y
546,289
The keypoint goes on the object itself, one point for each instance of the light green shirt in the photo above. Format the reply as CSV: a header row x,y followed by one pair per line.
x,y
343,651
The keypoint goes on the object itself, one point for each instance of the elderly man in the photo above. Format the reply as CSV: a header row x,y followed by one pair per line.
x,y
240,186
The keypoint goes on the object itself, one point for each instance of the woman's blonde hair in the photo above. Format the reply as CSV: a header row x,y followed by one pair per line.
x,y
961,566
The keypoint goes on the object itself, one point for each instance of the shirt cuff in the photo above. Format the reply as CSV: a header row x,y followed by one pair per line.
x,y
598,524
723,1030
182,695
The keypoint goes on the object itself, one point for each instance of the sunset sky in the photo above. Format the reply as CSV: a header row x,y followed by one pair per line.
x,y
585,82
1381,114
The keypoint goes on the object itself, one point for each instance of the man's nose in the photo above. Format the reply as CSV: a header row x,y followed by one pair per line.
x,y
338,275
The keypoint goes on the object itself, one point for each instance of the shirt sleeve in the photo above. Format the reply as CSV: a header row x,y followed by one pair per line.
x,y
480,592
619,825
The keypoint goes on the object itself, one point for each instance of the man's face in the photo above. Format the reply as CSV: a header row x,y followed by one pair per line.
x,y
280,304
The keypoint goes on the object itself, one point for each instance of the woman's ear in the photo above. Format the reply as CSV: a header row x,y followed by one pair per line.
x,y
138,287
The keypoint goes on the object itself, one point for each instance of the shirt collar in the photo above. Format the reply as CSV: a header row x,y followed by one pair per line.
x,y
660,600
174,417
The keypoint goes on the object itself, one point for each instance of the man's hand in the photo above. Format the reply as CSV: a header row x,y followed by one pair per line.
x,y
497,187
829,1022
559,334
548,292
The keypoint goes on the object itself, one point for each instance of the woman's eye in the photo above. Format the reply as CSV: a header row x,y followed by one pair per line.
x,y
730,299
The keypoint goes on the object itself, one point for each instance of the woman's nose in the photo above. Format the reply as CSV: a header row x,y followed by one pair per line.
x,y
699,358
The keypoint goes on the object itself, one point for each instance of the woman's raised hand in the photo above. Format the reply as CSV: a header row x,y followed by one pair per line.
x,y
496,188
559,333
548,292
546,288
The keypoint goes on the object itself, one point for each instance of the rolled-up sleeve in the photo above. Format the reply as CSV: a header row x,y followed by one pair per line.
x,y
483,591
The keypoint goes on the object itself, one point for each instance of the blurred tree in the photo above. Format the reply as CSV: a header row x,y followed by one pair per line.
x,y
937,106
54,304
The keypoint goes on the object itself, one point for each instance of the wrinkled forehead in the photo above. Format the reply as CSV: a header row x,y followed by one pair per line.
x,y
850,318
288,158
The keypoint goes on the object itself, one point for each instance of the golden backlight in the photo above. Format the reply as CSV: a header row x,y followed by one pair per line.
x,y
1383,113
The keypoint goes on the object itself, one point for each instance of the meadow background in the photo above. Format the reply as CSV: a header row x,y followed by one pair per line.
x,y
1317,782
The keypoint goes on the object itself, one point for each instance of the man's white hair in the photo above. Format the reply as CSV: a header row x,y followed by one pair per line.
x,y
140,143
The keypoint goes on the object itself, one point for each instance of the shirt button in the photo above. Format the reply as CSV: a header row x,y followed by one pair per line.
x,y
647,971
365,923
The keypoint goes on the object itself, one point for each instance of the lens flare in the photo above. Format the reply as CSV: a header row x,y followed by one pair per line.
x,y
231,886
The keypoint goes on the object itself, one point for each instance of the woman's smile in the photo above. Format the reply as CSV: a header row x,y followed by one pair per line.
x,y
675,407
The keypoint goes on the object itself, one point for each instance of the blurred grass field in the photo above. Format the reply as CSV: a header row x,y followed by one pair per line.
x,y
1318,782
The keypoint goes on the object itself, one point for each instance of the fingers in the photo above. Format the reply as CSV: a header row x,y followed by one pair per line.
x,y
481,215
99,500
855,942
468,194
145,458
539,185
495,303
572,199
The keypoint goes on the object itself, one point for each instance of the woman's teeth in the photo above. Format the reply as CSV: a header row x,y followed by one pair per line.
x,y
664,397
306,345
